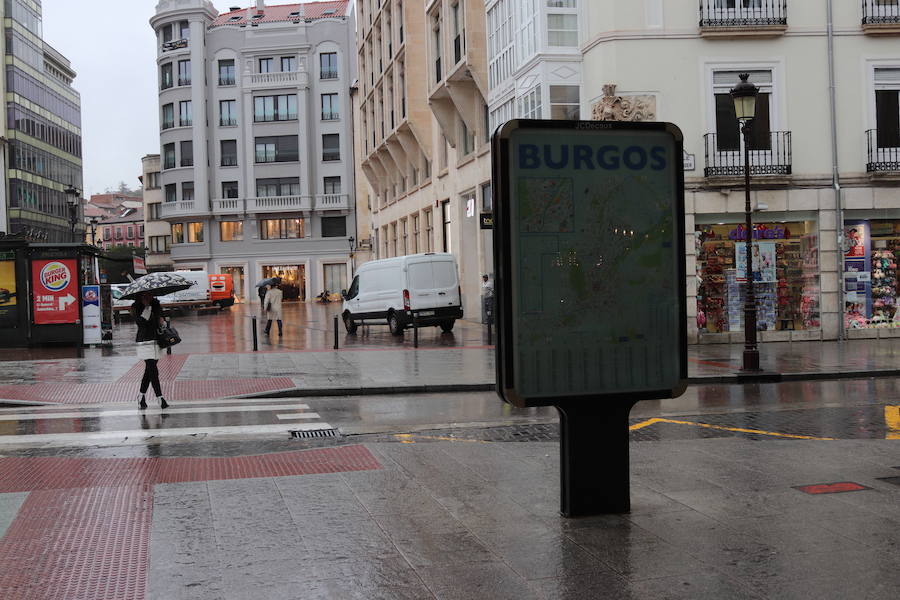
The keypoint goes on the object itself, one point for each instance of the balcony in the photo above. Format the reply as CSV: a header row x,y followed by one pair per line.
x,y
227,206
883,154
740,18
180,209
329,74
280,79
175,45
274,204
330,116
773,159
880,16
279,204
332,202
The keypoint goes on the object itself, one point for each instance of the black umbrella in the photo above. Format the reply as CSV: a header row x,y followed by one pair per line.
x,y
267,281
157,284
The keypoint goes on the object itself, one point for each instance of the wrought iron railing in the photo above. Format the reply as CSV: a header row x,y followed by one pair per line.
x,y
742,13
880,12
883,151
772,158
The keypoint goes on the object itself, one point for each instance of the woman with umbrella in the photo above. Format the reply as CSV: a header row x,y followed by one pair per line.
x,y
147,313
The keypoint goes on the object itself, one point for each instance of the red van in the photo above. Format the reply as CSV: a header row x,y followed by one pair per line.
x,y
221,289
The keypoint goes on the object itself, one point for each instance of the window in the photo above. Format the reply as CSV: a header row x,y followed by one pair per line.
x,y
288,64
160,243
332,185
184,72
118,232
170,192
177,233
335,277
169,156
187,154
565,102
284,186
280,229
562,30
458,33
228,153
129,232
429,231
165,76
436,46
231,231
330,111
194,233
281,148
887,107
394,239
331,147
334,226
153,211
266,65
467,138
275,108
227,113
442,154
728,130
153,180
187,191
185,116
404,236
166,33
229,189
226,72
487,199
184,30
572,3
530,104
415,234
445,229
168,116
328,67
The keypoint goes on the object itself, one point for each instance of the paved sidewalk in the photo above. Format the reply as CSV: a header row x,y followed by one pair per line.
x,y
711,518
112,379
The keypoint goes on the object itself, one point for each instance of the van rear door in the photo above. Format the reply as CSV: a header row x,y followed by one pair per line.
x,y
433,282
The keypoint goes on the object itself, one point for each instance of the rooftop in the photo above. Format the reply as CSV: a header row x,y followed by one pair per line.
x,y
128,215
284,12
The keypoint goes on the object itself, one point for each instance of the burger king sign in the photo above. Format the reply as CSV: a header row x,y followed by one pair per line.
x,y
55,291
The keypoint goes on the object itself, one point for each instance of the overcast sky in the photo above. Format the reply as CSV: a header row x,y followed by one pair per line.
x,y
112,48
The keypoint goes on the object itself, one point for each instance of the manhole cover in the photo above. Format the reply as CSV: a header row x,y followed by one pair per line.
x,y
314,433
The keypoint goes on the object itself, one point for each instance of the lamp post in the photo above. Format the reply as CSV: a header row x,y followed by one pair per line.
x,y
72,200
93,223
352,241
744,96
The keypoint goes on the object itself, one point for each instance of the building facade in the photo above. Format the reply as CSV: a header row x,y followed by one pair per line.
x,y
125,229
825,168
42,153
257,173
423,133
157,232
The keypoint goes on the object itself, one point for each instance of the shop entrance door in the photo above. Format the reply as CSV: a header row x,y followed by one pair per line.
x,y
293,280
237,276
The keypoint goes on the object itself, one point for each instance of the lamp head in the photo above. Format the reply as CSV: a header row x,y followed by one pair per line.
x,y
744,96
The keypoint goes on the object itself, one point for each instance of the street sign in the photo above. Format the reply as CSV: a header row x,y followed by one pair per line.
x,y
90,314
590,251
140,268
486,220
55,285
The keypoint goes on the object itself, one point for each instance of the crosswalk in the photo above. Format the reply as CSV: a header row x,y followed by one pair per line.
x,y
114,424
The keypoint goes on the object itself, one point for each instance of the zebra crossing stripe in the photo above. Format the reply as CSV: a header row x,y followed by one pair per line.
x,y
105,414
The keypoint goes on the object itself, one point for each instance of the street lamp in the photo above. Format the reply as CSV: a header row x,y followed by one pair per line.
x,y
744,96
352,242
93,222
72,200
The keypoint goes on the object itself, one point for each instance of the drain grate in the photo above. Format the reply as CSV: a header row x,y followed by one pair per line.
x,y
894,480
314,433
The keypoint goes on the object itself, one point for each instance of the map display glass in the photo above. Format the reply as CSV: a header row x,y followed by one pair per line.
x,y
593,226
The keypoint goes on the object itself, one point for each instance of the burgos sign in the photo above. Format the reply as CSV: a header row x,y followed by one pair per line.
x,y
55,276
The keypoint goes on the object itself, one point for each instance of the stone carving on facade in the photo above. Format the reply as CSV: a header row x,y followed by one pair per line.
x,y
611,107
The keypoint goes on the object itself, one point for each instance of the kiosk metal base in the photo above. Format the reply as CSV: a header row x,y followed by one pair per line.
x,y
594,459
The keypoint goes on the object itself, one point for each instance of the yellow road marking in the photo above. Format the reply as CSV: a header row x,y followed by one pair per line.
x,y
792,436
409,438
892,420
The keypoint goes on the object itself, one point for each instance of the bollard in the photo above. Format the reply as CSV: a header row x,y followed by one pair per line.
x,y
335,332
253,327
490,329
415,331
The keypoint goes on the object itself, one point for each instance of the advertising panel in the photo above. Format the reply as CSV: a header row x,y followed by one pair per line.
x,y
55,285
590,247
763,262
8,295
90,314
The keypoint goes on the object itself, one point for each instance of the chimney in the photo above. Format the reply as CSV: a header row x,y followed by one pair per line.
x,y
260,5
302,11
233,8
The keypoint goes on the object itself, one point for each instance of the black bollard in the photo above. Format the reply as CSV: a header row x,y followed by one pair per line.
x,y
335,332
415,331
253,327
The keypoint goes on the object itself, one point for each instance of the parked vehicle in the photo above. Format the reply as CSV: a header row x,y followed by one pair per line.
x,y
394,290
208,290
221,289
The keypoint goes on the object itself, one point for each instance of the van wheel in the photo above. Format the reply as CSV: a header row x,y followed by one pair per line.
x,y
447,326
349,325
394,324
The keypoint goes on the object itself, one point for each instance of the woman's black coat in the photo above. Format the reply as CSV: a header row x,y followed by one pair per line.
x,y
147,329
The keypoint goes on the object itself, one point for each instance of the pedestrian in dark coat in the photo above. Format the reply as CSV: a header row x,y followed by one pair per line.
x,y
147,313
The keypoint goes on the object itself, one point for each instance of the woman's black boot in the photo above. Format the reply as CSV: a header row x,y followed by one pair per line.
x,y
142,404
163,403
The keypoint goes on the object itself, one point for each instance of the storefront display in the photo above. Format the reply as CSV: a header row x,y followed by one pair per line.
x,y
871,248
785,275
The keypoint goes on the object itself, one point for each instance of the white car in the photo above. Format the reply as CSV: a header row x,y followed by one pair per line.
x,y
394,291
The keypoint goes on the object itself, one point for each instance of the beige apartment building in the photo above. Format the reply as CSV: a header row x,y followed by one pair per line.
x,y
157,233
422,134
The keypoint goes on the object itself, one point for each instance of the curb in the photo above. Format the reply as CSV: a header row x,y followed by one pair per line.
x,y
372,391
774,377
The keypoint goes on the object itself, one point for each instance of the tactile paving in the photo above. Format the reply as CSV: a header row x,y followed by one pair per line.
x,y
169,366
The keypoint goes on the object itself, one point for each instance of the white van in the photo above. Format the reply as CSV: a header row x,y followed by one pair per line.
x,y
392,290
198,292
